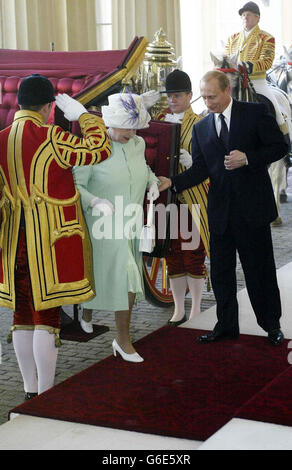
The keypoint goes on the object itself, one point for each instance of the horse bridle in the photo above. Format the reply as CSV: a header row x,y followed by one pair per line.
x,y
241,71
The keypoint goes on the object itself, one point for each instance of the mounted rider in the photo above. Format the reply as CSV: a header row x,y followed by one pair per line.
x,y
256,50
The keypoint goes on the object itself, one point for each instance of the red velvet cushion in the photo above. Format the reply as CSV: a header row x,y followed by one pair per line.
x,y
70,72
9,88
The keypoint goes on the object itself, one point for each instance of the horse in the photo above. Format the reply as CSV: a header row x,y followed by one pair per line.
x,y
280,73
280,76
242,89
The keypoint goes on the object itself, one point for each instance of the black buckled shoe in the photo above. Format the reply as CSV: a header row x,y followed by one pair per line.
x,y
275,337
29,396
214,336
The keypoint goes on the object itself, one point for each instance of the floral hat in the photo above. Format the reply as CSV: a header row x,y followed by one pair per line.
x,y
125,111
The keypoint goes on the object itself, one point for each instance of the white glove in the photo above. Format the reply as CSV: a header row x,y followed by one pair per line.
x,y
185,158
175,118
71,108
150,98
105,206
153,192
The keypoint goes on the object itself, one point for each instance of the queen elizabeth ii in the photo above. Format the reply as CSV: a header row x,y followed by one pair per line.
x,y
124,176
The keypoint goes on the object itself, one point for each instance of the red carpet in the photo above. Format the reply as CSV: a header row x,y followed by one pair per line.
x,y
183,389
273,404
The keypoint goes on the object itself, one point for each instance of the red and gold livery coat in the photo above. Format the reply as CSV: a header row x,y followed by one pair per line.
x,y
198,194
258,48
36,163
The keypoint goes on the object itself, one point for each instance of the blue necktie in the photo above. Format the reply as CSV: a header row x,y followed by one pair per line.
x,y
224,134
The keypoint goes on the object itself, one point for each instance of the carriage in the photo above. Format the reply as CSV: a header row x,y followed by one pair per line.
x,y
90,77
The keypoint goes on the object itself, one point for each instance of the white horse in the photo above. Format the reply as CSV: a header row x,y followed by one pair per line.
x,y
280,75
243,90
281,72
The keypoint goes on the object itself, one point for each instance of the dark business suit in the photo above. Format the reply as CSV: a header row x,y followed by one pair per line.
x,y
241,206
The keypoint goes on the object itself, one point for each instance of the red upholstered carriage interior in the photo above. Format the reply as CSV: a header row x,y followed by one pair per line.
x,y
9,89
85,74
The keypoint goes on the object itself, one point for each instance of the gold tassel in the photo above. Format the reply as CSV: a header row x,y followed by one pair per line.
x,y
9,337
58,342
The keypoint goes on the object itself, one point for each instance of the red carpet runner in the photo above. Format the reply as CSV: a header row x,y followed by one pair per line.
x,y
183,389
273,404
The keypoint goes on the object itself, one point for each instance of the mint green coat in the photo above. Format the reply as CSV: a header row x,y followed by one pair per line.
x,y
117,262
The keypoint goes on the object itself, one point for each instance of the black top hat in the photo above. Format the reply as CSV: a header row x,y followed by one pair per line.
x,y
250,6
178,81
35,90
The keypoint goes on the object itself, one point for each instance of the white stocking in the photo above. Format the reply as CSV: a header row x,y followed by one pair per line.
x,y
178,286
45,354
23,347
196,290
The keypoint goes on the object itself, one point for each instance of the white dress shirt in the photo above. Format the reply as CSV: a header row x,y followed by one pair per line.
x,y
227,115
247,33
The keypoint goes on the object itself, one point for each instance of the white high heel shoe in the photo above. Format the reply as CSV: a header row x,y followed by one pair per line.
x,y
86,326
135,357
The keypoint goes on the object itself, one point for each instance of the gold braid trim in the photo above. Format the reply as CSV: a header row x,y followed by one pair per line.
x,y
50,329
197,194
18,327
53,331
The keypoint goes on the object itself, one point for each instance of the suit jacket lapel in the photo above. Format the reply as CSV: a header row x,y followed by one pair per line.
x,y
234,125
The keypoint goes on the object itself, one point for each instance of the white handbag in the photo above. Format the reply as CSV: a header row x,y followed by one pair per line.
x,y
147,237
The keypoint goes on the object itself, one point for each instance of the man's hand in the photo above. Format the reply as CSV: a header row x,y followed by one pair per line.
x,y
234,160
71,108
165,183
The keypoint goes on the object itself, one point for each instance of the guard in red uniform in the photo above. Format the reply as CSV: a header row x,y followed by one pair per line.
x,y
186,267
45,258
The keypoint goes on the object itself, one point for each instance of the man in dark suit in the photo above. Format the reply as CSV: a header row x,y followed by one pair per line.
x,y
232,146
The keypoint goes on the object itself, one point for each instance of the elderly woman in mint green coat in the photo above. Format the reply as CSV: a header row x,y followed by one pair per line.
x,y
111,188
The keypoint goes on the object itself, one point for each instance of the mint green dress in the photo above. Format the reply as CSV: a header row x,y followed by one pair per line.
x,y
117,263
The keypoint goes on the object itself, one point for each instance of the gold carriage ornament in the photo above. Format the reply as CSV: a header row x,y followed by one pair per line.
x,y
158,62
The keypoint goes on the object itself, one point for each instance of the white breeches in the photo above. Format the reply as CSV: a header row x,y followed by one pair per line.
x,y
278,175
282,107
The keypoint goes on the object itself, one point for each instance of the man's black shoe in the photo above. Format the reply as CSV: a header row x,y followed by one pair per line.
x,y
275,337
213,336
29,395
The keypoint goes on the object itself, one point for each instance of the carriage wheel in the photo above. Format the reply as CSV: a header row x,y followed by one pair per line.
x,y
157,290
